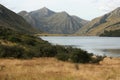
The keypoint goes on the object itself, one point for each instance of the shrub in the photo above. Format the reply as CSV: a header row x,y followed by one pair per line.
x,y
97,59
60,49
14,39
62,56
36,47
11,51
80,56
48,51
28,40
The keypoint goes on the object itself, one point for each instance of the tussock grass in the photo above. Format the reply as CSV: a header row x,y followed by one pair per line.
x,y
53,69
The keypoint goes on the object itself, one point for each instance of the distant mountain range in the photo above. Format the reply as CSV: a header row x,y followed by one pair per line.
x,y
61,23
52,22
11,20
107,22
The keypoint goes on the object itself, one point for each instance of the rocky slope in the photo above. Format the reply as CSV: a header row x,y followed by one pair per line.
x,y
52,22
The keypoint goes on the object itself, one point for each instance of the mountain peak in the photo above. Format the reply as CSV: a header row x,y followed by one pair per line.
x,y
64,13
43,12
44,9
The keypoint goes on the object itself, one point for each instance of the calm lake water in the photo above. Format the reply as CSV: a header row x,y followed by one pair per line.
x,y
109,46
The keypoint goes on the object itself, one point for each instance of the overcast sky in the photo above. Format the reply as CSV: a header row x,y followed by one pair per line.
x,y
86,9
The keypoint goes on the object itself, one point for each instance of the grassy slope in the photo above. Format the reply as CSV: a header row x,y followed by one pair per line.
x,y
97,26
114,33
52,69
12,42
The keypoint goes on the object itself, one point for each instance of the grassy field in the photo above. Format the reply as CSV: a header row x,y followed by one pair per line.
x,y
52,69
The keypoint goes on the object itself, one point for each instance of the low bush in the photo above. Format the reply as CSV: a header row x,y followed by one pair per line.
x,y
28,46
80,56
11,51
62,56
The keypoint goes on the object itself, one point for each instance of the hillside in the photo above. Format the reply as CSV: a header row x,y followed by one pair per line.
x,y
115,33
107,22
19,45
52,22
13,21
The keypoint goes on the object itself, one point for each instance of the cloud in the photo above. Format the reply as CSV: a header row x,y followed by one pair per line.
x,y
107,5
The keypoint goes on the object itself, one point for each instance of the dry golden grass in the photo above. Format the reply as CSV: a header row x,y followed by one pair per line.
x,y
52,69
106,26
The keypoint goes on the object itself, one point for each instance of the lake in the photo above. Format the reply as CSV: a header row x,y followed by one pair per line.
x,y
109,46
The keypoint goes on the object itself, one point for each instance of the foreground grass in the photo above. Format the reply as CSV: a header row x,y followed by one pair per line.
x,y
52,69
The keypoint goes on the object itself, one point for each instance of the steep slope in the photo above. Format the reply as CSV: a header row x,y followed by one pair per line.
x,y
61,23
12,20
51,22
81,21
28,17
35,18
107,22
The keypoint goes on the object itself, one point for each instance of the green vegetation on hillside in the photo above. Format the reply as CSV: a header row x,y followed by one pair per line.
x,y
28,46
17,45
115,33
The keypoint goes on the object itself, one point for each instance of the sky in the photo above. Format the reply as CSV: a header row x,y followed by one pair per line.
x,y
86,9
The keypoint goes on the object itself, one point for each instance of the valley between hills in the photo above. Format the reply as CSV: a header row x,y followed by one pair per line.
x,y
25,56
52,22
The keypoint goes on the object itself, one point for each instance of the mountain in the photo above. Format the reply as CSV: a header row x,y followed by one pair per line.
x,y
61,23
52,22
81,21
107,22
13,21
